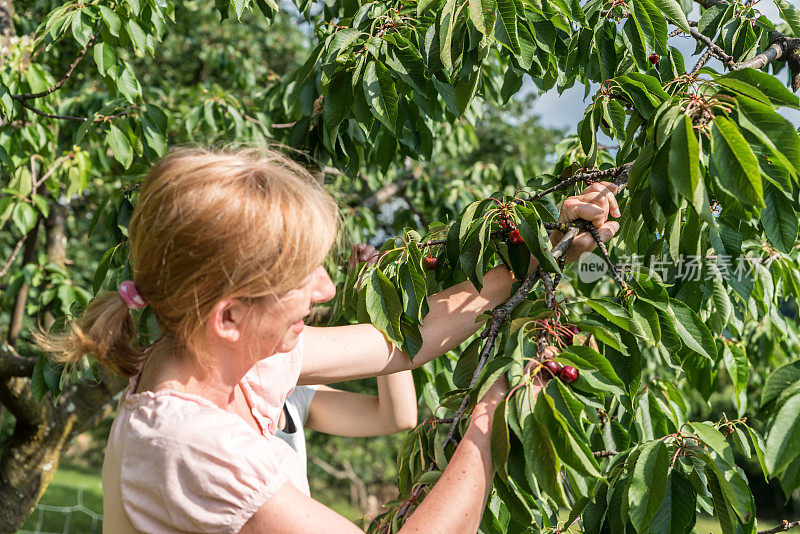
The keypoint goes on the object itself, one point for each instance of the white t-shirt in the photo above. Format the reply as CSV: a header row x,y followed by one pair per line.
x,y
296,412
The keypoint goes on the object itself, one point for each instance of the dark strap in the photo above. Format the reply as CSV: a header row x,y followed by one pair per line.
x,y
289,427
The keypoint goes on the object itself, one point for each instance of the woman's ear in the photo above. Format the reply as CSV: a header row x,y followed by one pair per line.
x,y
226,319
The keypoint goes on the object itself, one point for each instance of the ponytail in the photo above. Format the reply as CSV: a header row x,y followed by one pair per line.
x,y
105,330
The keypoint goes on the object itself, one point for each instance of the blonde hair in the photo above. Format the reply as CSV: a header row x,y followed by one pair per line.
x,y
209,224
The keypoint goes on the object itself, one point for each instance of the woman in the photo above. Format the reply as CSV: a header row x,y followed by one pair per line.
x,y
227,250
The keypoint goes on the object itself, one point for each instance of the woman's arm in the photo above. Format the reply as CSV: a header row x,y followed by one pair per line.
x,y
340,353
343,413
334,354
454,505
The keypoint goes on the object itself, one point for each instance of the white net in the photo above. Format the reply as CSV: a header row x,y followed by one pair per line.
x,y
43,516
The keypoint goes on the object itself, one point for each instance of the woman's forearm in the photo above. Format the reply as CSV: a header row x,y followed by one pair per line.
x,y
362,350
452,313
397,400
456,503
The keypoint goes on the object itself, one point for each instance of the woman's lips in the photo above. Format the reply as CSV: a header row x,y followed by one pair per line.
x,y
298,326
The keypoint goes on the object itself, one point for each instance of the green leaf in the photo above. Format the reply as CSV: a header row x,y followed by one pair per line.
x,y
383,305
779,219
154,137
466,364
464,90
767,84
104,57
714,440
737,166
541,458
508,20
81,31
138,36
617,315
677,512
692,330
111,19
783,440
684,163
128,85
24,217
102,269
773,130
482,14
423,5
648,484
337,105
780,380
636,40
120,145
238,7
790,14
673,11
500,439
595,369
572,452
535,238
447,22
38,382
381,94
135,6
719,500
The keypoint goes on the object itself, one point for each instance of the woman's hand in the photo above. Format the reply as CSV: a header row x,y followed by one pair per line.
x,y
595,204
362,252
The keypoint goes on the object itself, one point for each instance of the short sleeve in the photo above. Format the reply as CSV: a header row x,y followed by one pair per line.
x,y
192,479
302,397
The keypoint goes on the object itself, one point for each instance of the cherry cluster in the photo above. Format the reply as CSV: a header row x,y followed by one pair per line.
x,y
553,369
513,235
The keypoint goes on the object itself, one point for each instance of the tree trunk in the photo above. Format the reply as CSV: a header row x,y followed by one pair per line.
x,y
42,430
6,18
56,226
31,455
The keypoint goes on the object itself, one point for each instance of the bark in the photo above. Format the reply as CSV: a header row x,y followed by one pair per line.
x,y
42,431
18,312
6,18
56,226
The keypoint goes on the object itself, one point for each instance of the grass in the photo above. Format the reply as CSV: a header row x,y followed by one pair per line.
x,y
64,490
68,480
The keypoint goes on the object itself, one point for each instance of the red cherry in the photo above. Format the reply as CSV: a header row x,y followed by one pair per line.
x,y
752,23
503,223
430,263
568,374
552,368
514,238
654,58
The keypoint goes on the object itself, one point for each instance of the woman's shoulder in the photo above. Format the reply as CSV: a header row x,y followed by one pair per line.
x,y
170,417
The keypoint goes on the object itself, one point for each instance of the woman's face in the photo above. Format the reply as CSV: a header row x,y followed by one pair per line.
x,y
281,322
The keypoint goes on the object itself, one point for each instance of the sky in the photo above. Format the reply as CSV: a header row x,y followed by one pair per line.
x,y
566,109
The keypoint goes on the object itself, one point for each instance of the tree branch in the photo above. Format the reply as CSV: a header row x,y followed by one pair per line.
x,y
12,364
593,176
783,527
782,48
12,257
50,115
18,313
59,83
604,454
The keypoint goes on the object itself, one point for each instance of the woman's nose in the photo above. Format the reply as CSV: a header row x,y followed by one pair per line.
x,y
323,288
